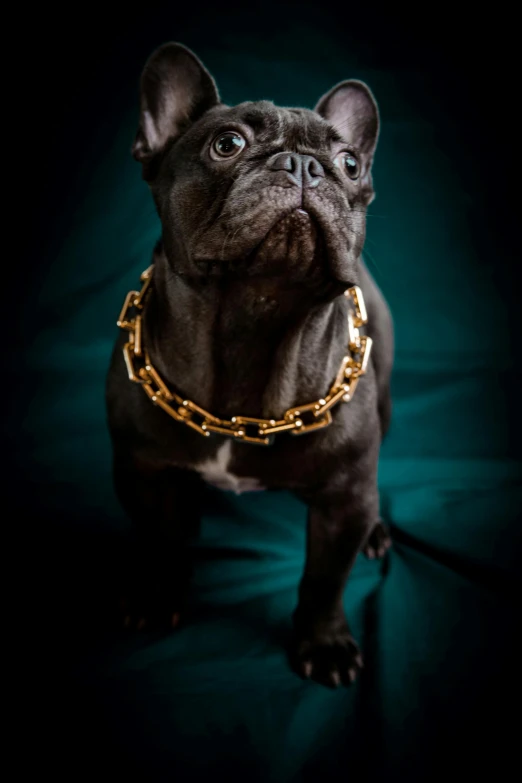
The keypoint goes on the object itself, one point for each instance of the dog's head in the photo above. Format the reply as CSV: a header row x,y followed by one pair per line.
x,y
255,188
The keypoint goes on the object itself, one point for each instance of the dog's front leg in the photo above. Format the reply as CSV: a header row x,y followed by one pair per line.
x,y
164,507
340,519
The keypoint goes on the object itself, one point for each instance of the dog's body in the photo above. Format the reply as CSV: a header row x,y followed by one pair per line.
x,y
262,232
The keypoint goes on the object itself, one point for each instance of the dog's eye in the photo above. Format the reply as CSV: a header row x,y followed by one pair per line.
x,y
350,164
227,145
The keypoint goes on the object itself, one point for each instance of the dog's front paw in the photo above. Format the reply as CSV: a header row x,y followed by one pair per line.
x,y
378,542
328,655
151,606
141,615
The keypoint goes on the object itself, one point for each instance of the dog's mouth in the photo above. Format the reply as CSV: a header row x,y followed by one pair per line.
x,y
294,246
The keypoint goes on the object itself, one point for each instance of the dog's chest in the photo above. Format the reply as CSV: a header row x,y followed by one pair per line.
x,y
216,472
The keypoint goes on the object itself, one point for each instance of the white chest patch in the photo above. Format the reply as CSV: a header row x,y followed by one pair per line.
x,y
215,472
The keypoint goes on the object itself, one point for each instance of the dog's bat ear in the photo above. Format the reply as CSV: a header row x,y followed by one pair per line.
x,y
351,108
175,90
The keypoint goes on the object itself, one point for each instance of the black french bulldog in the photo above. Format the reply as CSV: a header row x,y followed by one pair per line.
x,y
263,214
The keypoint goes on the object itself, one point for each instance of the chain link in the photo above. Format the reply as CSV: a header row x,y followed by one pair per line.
x,y
299,420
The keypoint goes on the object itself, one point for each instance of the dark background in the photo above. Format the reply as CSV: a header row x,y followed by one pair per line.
x,y
457,66
450,73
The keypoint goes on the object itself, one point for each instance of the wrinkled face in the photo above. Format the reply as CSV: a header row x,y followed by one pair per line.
x,y
255,190
271,191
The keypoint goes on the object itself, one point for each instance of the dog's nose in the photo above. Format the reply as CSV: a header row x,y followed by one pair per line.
x,y
302,171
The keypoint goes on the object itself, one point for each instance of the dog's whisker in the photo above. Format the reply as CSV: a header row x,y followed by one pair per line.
x,y
374,263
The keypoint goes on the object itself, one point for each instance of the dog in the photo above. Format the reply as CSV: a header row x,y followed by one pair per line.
x,y
237,340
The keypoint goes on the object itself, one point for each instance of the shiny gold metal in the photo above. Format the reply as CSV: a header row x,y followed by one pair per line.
x,y
345,364
315,425
355,295
128,355
191,406
149,391
351,388
366,347
147,280
156,377
219,430
333,400
122,320
317,414
137,335
158,400
244,438
242,422
273,429
195,426
354,339
250,420
147,274
295,416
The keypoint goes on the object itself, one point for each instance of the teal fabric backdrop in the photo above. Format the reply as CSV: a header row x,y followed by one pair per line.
x,y
435,621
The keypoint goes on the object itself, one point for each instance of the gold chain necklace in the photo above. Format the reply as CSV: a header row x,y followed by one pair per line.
x,y
297,421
